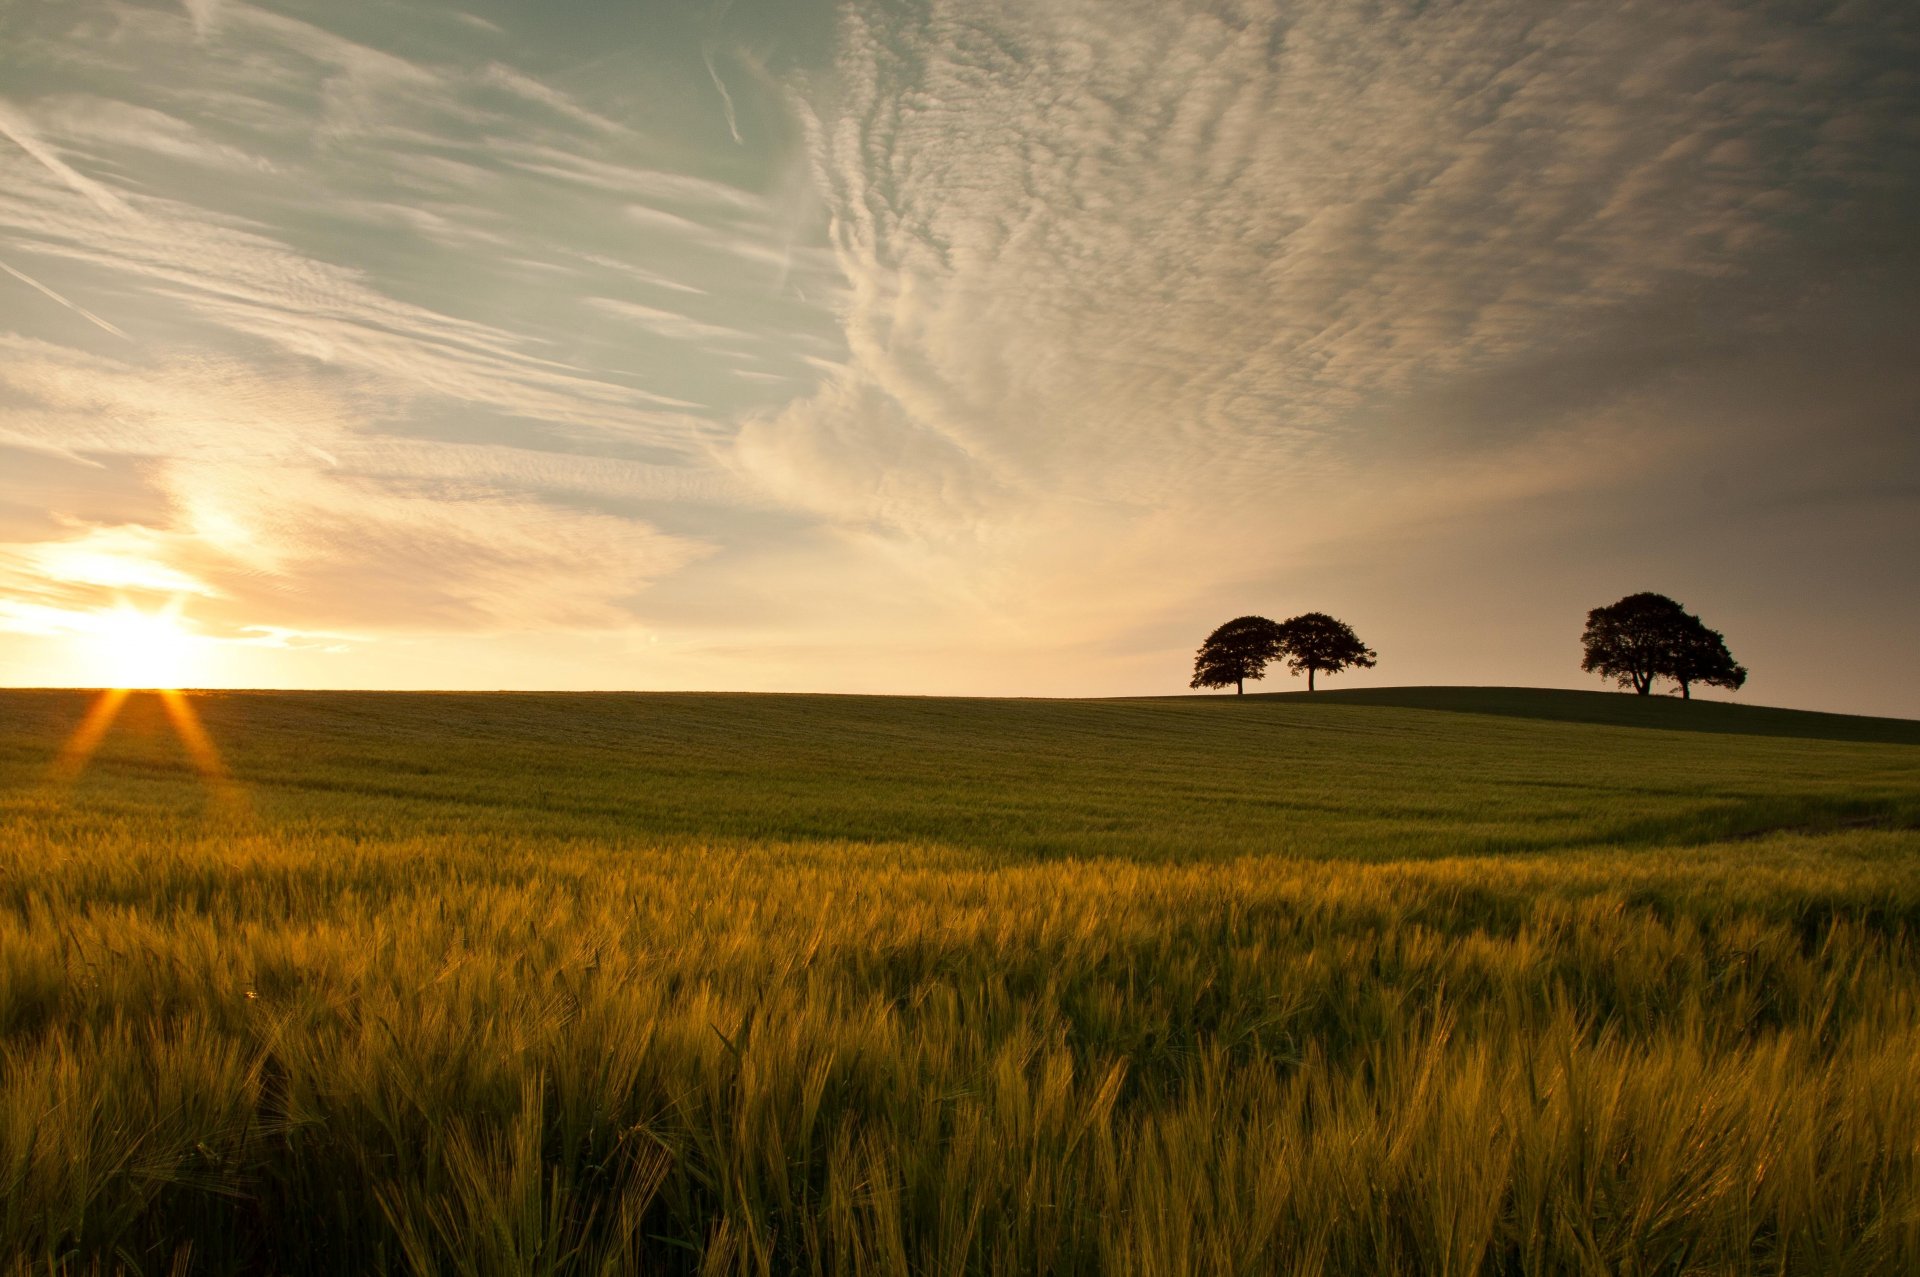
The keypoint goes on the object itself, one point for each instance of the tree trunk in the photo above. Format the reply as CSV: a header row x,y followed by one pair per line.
x,y
1309,678
1686,691
1239,687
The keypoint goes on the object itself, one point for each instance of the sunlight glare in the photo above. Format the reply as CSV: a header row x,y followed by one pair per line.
x,y
141,650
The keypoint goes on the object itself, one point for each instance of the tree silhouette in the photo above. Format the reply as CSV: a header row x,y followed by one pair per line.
x,y
1648,636
1236,652
1315,641
1629,641
1701,656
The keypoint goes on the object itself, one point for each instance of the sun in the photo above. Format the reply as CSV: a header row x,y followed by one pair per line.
x,y
124,651
128,648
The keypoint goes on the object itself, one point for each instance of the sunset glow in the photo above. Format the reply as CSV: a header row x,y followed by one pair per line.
x,y
946,348
126,651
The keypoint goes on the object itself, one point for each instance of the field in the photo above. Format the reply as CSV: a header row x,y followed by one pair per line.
x,y
1434,981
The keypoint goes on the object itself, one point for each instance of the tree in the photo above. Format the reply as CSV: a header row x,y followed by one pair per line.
x,y
1648,636
1631,641
1315,641
1236,652
1701,656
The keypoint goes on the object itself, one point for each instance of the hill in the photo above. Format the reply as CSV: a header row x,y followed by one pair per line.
x,y
1661,713
1377,773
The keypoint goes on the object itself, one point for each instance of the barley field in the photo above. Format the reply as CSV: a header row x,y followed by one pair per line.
x,y
1428,981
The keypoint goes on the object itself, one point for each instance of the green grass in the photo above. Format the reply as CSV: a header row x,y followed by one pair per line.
x,y
1417,981
1633,711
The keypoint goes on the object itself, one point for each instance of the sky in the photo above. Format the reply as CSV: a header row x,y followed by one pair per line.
x,y
955,346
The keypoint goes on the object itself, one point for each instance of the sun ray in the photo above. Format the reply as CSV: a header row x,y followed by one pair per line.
x,y
146,651
200,747
87,737
186,725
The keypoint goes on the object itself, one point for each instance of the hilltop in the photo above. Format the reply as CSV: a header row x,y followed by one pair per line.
x,y
1618,709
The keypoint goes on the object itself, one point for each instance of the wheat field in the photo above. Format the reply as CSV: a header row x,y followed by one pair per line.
x,y
1442,981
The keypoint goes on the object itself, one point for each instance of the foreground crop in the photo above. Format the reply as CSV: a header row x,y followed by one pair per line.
x,y
292,1036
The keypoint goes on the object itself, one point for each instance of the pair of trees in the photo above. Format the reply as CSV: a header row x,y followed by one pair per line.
x,y
1243,647
1641,638
1649,636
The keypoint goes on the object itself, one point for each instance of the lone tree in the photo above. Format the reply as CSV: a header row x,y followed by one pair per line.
x,y
1315,641
1236,652
1649,636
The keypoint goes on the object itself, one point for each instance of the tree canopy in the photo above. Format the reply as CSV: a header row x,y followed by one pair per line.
x,y
1236,652
1648,636
1314,641
1701,656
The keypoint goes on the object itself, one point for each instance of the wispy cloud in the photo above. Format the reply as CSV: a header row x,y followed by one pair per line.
x,y
16,128
205,15
284,510
528,89
70,304
663,322
1195,268
996,326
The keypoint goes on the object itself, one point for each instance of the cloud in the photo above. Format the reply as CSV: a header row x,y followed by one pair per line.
x,y
70,304
284,511
1200,266
726,98
531,90
324,550
205,15
117,558
629,179
249,283
400,238
662,322
14,125
1011,328
353,384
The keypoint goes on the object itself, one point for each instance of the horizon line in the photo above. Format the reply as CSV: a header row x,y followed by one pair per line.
x,y
1323,693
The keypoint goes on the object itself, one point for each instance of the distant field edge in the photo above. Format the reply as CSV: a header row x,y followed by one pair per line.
x,y
1619,709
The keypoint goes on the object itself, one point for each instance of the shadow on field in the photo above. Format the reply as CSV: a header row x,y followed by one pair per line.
x,y
1621,709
